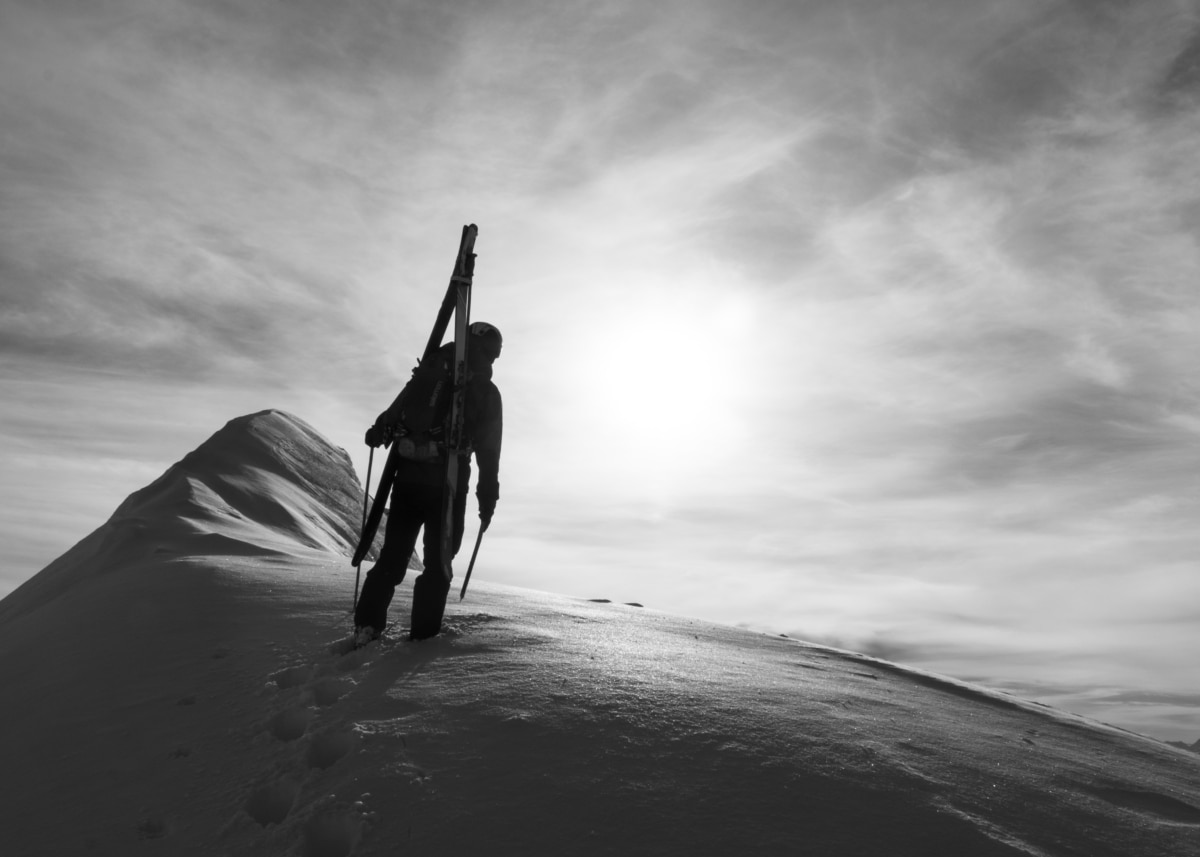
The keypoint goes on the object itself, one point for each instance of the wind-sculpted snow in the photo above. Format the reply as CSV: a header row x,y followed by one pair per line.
x,y
268,480
265,484
208,705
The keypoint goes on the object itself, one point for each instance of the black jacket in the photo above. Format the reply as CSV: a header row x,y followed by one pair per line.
x,y
484,426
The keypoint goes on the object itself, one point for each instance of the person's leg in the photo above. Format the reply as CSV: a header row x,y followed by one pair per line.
x,y
433,584
400,537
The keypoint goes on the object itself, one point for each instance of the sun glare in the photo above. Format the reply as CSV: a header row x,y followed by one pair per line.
x,y
662,396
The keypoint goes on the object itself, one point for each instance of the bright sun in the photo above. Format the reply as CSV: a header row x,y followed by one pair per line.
x,y
661,393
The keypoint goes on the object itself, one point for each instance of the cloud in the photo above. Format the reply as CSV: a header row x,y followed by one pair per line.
x,y
160,217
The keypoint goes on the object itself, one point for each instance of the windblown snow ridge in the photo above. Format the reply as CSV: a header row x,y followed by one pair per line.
x,y
268,471
266,483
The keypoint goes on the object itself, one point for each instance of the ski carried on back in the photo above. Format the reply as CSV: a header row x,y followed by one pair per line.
x,y
429,594
457,303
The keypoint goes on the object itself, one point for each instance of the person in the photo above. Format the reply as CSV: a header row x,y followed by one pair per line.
x,y
417,496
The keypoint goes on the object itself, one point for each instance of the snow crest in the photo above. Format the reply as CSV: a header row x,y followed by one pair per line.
x,y
265,484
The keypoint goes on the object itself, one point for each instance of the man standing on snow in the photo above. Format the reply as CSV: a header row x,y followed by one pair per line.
x,y
417,494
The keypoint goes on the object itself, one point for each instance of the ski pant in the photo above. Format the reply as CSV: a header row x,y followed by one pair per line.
x,y
415,506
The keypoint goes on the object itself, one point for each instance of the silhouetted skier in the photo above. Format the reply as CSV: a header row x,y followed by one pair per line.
x,y
417,492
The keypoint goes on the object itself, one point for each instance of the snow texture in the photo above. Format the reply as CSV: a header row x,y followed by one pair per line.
x,y
178,683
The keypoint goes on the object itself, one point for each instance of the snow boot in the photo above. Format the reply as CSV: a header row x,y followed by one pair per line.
x,y
364,634
428,605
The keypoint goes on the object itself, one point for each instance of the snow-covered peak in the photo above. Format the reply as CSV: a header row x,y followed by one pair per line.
x,y
268,479
266,483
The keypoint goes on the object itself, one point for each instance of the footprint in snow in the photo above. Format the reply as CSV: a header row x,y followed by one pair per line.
x,y
328,747
290,724
327,691
272,803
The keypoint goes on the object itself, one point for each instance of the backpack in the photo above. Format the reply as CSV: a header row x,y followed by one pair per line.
x,y
425,407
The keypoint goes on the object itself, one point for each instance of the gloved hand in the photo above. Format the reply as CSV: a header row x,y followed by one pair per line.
x,y
486,510
378,435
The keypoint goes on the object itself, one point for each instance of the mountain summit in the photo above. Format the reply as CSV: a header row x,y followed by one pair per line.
x,y
266,483
174,684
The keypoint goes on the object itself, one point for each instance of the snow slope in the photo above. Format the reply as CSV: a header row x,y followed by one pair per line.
x,y
173,686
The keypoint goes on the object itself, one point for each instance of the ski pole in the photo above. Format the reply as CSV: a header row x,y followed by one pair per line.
x,y
471,567
366,496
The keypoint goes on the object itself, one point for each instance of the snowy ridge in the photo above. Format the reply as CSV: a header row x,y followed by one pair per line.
x,y
266,483
197,704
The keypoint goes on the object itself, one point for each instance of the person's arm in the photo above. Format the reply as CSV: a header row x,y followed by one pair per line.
x,y
486,441
384,429
387,422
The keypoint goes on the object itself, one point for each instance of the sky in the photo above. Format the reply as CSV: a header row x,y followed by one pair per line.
x,y
872,324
